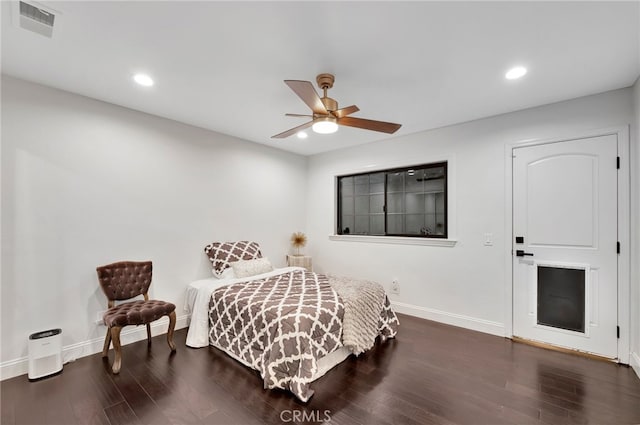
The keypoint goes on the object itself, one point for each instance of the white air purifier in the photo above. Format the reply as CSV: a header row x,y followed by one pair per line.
x,y
45,353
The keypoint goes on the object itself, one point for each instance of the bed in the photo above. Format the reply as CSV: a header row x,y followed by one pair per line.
x,y
289,324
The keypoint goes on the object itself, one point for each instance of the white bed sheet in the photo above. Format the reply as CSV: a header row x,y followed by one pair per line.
x,y
197,303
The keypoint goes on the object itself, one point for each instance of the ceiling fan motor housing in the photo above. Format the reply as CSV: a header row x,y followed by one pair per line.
x,y
329,104
325,82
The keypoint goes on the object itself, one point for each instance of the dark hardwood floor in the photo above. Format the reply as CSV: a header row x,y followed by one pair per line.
x,y
431,374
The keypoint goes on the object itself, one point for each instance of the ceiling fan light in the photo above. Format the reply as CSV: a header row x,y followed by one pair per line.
x,y
325,126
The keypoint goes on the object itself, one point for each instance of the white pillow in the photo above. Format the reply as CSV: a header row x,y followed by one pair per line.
x,y
226,274
247,268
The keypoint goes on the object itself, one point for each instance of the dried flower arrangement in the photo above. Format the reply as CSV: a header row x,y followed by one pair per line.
x,y
298,240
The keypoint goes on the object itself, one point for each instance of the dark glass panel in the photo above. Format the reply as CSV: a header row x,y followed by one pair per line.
x,y
561,298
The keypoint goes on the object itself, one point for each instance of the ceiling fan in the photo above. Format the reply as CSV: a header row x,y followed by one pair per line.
x,y
326,115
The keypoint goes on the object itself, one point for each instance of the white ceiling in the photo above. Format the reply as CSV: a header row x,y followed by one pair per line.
x,y
221,65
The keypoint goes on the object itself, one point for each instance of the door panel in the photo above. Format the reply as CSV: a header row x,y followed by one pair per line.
x,y
570,206
565,206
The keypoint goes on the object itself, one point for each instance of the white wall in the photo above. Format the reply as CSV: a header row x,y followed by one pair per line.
x,y
635,230
85,183
465,284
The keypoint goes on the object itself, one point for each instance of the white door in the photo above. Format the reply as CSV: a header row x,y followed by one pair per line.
x,y
565,280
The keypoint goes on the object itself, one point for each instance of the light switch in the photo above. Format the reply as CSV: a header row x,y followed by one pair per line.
x,y
488,239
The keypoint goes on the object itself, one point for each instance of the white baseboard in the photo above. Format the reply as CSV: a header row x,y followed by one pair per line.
x,y
17,367
480,325
635,363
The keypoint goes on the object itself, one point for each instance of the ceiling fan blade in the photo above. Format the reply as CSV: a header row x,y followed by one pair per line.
x,y
294,130
343,112
384,127
297,115
306,92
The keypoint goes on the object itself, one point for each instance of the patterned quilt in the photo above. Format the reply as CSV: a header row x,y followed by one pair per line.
x,y
280,326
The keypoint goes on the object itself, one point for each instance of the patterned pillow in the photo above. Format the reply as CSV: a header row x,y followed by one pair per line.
x,y
248,268
221,254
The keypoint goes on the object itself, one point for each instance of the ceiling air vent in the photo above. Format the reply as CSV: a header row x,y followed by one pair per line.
x,y
35,19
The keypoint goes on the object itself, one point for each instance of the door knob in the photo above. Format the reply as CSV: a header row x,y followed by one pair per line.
x,y
521,253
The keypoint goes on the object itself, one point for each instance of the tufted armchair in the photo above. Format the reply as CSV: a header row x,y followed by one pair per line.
x,y
124,280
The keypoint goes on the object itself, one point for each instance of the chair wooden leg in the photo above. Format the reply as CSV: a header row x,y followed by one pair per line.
x,y
107,342
115,336
172,325
148,333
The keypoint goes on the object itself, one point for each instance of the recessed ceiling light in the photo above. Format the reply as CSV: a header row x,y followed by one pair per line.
x,y
302,135
143,80
515,73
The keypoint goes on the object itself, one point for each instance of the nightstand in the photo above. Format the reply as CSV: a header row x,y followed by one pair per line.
x,y
300,261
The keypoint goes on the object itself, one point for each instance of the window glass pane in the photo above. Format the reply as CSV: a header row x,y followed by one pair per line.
x,y
394,203
376,178
362,225
362,204
430,202
346,186
413,181
376,183
347,205
414,203
439,224
376,204
395,224
415,224
423,198
395,182
347,224
362,189
439,203
376,188
431,173
376,224
430,224
361,179
434,185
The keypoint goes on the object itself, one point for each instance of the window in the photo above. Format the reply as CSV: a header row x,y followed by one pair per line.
x,y
409,201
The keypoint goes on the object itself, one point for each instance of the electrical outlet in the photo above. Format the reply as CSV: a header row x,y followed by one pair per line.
x,y
395,286
99,317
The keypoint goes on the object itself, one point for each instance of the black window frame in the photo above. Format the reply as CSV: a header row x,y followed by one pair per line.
x,y
441,164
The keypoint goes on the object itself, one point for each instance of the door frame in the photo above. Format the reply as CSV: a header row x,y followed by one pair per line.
x,y
624,233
